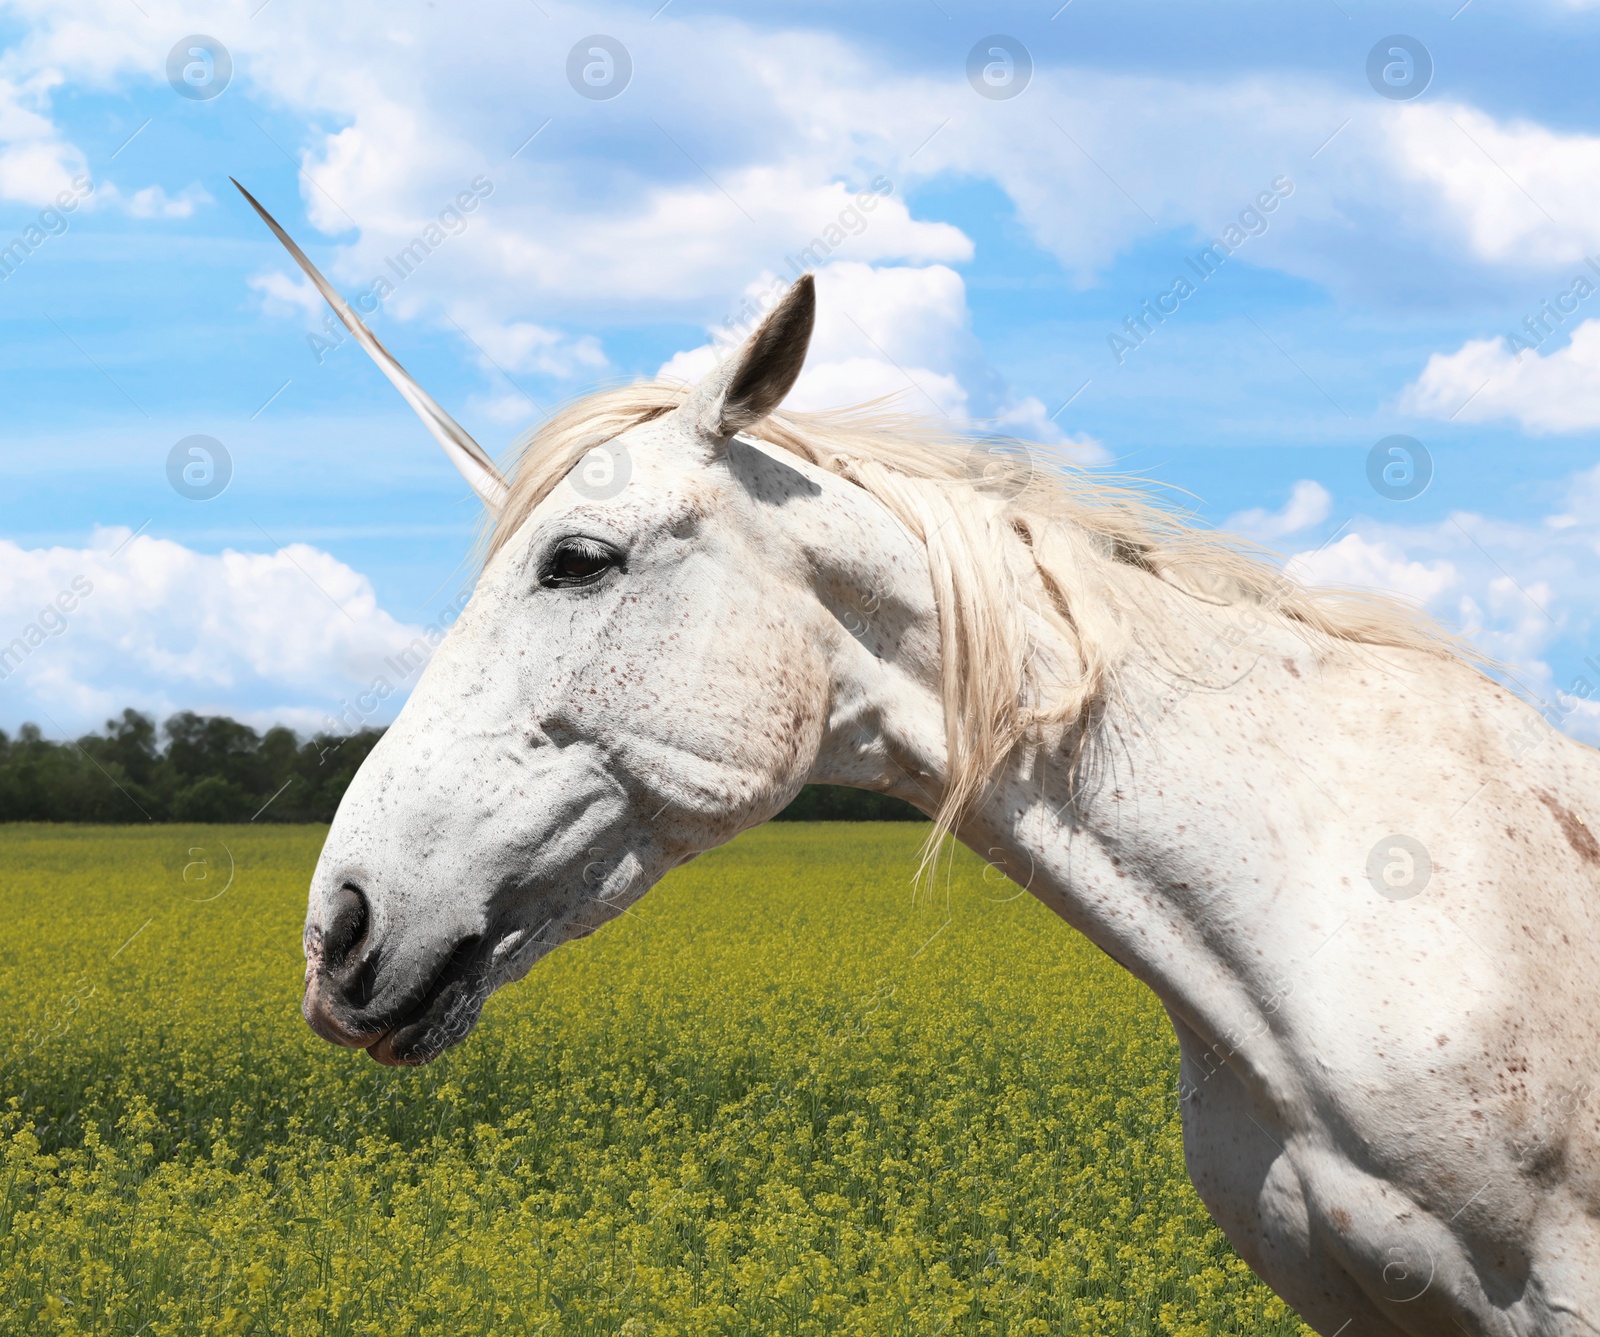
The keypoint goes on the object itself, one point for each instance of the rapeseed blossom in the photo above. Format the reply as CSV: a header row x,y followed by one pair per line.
x,y
779,1096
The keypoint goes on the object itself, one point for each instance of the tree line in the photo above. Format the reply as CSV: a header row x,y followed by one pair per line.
x,y
209,768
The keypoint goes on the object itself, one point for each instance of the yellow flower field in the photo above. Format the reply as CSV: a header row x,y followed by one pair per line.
x,y
778,1097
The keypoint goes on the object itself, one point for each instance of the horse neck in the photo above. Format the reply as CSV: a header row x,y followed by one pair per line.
x,y
1142,824
1156,826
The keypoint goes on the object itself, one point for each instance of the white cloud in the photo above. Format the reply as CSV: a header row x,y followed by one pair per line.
x,y
887,331
150,623
1503,185
1111,157
681,241
667,204
510,408
1028,418
1526,606
520,345
1582,500
36,162
1512,621
282,293
691,365
1083,449
1484,379
154,202
1307,505
1374,564
857,380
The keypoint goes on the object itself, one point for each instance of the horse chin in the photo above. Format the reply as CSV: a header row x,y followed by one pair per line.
x,y
444,1018
383,1051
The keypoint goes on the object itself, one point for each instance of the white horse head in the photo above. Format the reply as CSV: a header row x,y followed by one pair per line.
x,y
648,666
637,678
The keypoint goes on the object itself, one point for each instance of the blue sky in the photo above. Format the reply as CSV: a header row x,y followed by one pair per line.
x,y
613,237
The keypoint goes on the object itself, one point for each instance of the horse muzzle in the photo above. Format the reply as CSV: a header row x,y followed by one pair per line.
x,y
346,1001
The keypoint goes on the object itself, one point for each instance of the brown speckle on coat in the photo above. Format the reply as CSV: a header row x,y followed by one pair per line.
x,y
1572,827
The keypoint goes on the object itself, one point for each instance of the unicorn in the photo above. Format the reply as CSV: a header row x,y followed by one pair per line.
x,y
1360,880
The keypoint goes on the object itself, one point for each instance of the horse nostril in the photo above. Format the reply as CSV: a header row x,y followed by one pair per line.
x,y
347,924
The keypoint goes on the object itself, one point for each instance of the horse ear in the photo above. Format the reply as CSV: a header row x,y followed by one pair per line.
x,y
750,384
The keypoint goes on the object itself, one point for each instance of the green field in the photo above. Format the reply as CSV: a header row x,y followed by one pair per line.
x,y
778,1097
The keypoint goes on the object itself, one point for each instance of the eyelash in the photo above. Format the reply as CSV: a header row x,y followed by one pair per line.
x,y
588,551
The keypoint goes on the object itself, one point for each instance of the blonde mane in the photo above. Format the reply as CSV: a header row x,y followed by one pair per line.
x,y
1016,540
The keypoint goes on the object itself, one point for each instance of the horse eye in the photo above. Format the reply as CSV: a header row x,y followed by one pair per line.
x,y
577,562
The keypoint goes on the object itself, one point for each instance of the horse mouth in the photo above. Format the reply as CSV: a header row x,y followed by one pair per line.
x,y
443,1016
